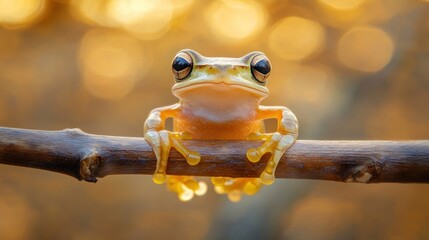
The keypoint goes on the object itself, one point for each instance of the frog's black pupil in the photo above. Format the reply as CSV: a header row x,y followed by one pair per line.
x,y
262,66
180,63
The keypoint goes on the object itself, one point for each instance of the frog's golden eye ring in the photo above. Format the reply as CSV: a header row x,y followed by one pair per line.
x,y
261,68
182,65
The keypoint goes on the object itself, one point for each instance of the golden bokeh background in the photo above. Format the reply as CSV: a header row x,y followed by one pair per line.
x,y
356,69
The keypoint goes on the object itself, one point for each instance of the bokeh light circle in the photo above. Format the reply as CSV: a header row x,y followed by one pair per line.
x,y
365,48
296,38
20,13
236,20
342,4
181,6
144,18
111,63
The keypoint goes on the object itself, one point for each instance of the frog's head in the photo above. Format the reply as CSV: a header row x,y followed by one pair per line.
x,y
195,73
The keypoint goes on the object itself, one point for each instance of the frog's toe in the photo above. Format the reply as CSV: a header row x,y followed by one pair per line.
x,y
252,186
234,188
193,158
202,188
159,178
267,178
186,187
253,154
234,196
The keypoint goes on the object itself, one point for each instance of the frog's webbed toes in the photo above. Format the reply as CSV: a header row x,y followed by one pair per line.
x,y
186,187
234,188
255,154
192,157
161,142
276,144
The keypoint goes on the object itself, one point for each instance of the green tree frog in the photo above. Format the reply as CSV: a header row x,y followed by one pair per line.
x,y
219,99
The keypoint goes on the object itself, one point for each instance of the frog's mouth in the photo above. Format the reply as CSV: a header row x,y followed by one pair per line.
x,y
221,87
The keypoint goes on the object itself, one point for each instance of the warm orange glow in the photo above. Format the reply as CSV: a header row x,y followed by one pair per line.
x,y
144,18
111,63
316,83
181,6
365,48
9,43
342,4
236,20
343,14
295,38
12,204
348,69
91,12
20,13
325,207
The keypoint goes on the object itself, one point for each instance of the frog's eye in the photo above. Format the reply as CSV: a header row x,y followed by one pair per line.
x,y
261,68
182,65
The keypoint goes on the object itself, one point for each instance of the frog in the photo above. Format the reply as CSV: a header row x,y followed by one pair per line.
x,y
219,99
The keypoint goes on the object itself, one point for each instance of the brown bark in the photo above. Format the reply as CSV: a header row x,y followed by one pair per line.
x,y
86,156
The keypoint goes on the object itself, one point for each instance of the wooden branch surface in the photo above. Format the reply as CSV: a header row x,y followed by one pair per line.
x,y
86,156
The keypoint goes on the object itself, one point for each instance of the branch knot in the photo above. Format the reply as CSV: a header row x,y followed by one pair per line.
x,y
364,173
88,166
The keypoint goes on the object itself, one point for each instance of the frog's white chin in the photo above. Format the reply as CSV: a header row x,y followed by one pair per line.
x,y
219,102
219,90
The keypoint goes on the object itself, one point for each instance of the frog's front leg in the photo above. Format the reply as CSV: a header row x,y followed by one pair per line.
x,y
162,140
276,143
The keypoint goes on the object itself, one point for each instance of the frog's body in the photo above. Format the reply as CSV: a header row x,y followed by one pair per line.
x,y
219,99
224,113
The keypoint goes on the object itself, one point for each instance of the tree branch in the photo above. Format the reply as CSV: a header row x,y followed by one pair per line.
x,y
85,156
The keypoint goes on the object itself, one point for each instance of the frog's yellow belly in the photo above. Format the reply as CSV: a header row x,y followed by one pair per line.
x,y
218,112
231,130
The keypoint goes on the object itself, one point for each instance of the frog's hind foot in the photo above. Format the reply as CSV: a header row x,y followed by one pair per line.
x,y
235,187
186,187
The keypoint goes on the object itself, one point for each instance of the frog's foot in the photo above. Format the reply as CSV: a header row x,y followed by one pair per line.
x,y
276,144
235,187
162,142
186,187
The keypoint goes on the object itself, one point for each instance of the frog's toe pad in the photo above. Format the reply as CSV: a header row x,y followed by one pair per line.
x,y
159,178
267,178
234,196
234,188
193,158
252,187
253,155
186,187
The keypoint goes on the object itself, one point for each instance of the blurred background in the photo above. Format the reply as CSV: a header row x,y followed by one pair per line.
x,y
356,69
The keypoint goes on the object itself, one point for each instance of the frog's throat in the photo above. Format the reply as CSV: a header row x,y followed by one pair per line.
x,y
177,91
